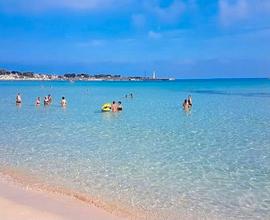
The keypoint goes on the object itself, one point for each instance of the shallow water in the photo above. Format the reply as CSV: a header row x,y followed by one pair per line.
x,y
213,162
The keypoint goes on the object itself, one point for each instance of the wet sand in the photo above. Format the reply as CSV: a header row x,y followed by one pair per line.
x,y
20,203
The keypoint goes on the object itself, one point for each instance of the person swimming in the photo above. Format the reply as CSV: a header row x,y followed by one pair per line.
x,y
119,107
38,101
130,95
63,102
46,100
186,105
114,107
18,99
49,99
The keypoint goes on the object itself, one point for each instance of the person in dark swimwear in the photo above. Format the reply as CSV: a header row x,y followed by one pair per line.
x,y
49,99
186,105
38,101
46,100
119,107
18,99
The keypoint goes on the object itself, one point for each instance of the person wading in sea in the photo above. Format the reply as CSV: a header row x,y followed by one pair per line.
x,y
18,99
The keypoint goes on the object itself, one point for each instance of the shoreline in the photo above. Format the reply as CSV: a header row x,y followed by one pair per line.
x,y
17,75
22,200
85,80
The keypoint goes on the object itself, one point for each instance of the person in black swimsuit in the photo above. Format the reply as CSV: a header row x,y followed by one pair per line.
x,y
119,107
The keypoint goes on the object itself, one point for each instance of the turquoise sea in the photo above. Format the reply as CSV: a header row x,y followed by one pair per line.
x,y
152,158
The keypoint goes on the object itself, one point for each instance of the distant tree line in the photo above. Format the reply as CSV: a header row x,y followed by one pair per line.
x,y
67,75
24,74
85,75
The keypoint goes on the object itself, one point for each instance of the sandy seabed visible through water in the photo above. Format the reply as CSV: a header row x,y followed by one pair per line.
x,y
20,179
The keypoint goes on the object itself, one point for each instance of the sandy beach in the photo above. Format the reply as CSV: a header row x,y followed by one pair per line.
x,y
20,203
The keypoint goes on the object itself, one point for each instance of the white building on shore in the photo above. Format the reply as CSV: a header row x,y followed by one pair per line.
x,y
154,75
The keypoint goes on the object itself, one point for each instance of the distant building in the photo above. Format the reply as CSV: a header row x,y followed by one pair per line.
x,y
154,75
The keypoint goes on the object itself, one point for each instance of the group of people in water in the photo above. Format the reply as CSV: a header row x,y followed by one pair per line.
x,y
187,104
47,100
130,95
114,107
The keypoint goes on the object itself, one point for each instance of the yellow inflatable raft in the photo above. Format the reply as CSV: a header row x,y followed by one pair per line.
x,y
106,107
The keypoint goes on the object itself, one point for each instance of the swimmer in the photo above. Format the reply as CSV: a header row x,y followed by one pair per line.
x,y
119,107
189,101
18,99
185,105
63,102
114,107
131,95
49,99
38,101
46,100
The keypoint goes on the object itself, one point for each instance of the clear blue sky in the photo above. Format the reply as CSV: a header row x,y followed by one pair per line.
x,y
177,38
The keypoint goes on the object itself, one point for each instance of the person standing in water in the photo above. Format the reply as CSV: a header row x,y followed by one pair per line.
x,y
114,107
186,105
49,99
119,107
18,99
38,101
63,102
46,100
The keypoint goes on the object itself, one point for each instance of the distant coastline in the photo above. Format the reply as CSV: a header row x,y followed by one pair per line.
x,y
17,75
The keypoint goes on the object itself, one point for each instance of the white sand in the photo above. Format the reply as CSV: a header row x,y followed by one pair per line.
x,y
17,203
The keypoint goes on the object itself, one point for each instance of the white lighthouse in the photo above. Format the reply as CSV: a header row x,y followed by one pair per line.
x,y
154,75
